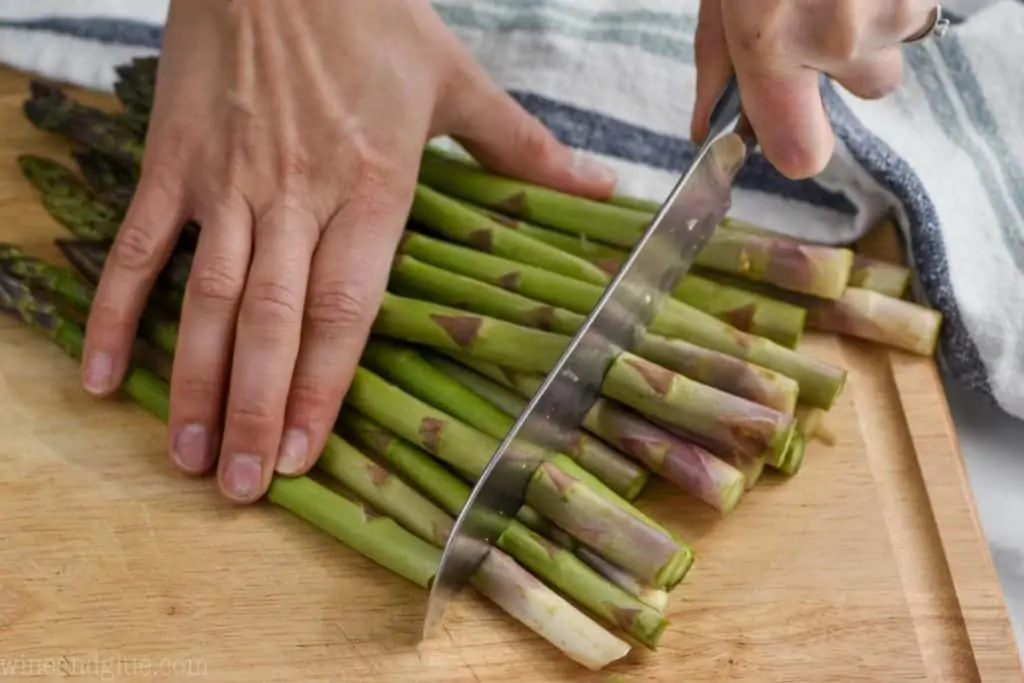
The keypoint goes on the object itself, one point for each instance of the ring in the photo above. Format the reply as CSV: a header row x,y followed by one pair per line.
x,y
937,26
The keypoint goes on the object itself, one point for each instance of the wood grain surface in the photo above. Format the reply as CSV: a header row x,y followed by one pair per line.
x,y
868,566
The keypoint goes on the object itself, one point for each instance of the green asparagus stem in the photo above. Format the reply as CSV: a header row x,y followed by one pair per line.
x,y
413,278
786,263
779,321
595,517
85,256
690,467
744,427
819,382
722,371
440,327
456,222
105,177
404,366
50,177
552,563
451,493
885,278
518,199
377,537
384,491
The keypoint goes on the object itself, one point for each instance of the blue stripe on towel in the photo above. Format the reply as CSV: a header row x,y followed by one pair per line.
x,y
99,29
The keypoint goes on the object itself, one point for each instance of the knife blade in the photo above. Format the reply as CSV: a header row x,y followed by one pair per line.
x,y
663,254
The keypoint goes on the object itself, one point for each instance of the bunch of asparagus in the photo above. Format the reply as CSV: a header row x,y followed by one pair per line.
x,y
492,278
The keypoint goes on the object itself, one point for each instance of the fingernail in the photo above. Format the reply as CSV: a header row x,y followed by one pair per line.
x,y
99,368
192,448
294,449
587,168
243,475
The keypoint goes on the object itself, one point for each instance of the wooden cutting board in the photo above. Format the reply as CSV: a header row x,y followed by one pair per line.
x,y
868,566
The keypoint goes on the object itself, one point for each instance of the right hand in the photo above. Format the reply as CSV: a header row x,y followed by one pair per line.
x,y
292,133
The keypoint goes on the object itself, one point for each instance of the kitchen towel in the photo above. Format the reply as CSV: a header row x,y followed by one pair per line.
x,y
944,154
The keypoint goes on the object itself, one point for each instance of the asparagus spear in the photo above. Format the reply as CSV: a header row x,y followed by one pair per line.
x,y
879,318
413,278
793,459
109,180
688,466
77,292
599,519
822,271
763,316
50,177
872,316
819,382
456,222
719,418
553,564
451,493
379,538
405,367
50,109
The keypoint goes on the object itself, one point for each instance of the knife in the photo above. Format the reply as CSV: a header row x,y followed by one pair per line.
x,y
662,255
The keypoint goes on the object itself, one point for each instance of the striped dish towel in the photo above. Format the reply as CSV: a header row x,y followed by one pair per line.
x,y
616,77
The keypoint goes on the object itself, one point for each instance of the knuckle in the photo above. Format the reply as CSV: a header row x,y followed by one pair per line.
x,y
534,141
136,248
310,396
335,308
215,280
844,40
252,417
374,169
197,389
761,36
269,304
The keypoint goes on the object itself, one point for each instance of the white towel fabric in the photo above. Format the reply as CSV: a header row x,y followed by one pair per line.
x,y
615,77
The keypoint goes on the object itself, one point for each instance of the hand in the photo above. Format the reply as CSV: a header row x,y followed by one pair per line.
x,y
292,133
777,50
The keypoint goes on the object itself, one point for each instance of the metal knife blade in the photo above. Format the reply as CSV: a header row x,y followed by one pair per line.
x,y
665,252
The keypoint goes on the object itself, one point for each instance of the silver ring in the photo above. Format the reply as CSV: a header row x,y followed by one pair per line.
x,y
937,26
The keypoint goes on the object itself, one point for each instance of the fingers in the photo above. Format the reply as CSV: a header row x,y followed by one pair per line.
x,y
142,247
507,139
349,276
202,359
874,76
267,341
711,55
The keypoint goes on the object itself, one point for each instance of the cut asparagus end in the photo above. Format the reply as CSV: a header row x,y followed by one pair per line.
x,y
794,457
885,278
546,613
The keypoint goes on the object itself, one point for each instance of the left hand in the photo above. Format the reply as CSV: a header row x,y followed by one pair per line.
x,y
778,49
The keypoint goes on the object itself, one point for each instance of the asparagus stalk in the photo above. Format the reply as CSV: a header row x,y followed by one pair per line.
x,y
885,278
597,518
819,382
817,270
690,467
105,177
454,221
552,563
50,109
50,177
413,278
793,459
763,316
740,425
451,493
872,316
409,370
377,537
77,292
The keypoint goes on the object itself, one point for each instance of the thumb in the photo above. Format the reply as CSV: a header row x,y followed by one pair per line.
x,y
507,139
